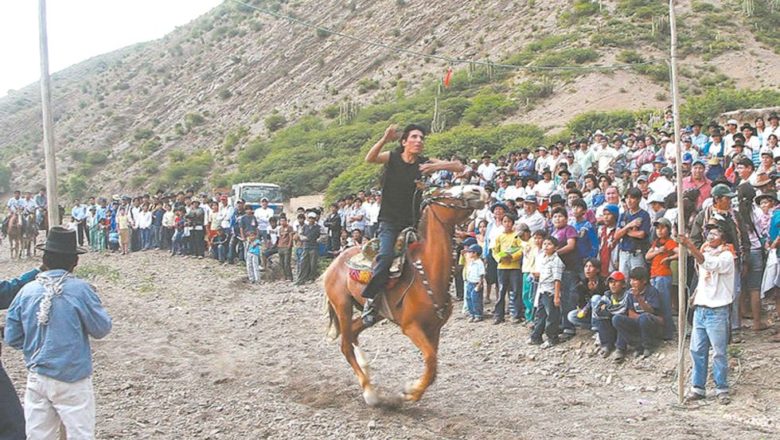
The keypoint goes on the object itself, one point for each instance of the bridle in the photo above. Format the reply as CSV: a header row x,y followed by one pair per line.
x,y
444,201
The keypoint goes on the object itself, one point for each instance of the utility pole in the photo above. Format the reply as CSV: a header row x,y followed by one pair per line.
x,y
48,122
682,261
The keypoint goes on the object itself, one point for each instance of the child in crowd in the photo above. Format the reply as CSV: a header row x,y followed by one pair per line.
x,y
178,235
284,247
123,225
549,271
531,247
113,241
474,278
219,246
662,252
253,257
507,251
612,302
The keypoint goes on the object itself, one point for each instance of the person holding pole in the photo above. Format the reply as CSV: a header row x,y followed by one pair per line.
x,y
711,304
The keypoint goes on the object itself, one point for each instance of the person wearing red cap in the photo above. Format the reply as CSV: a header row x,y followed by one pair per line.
x,y
613,301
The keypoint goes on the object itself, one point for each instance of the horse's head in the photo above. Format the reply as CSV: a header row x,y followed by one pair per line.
x,y
453,205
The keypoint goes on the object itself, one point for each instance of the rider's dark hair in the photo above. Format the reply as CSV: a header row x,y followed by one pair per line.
x,y
56,260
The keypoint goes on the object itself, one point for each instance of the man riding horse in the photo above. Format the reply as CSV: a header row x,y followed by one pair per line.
x,y
16,206
400,204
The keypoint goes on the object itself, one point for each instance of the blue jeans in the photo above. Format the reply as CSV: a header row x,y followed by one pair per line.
x,y
177,243
664,287
388,233
568,299
630,260
510,281
473,300
710,329
607,333
546,318
156,236
585,322
146,238
643,332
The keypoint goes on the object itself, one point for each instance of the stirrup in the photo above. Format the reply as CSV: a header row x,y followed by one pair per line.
x,y
369,314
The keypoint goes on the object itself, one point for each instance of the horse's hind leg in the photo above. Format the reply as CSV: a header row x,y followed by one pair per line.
x,y
428,343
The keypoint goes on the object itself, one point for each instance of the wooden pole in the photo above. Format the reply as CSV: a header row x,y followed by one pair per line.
x,y
48,122
682,262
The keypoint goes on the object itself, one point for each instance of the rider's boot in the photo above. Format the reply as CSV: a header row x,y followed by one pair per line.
x,y
370,313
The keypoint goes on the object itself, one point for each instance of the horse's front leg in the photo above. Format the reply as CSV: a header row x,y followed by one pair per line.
x,y
428,343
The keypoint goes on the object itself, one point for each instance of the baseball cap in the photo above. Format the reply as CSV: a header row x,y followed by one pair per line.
x,y
656,198
663,221
531,198
477,249
722,190
311,214
732,122
699,162
617,276
469,241
522,227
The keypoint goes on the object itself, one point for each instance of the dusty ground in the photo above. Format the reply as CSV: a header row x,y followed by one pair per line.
x,y
195,353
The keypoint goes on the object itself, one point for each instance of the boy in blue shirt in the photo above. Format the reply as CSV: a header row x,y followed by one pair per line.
x,y
474,277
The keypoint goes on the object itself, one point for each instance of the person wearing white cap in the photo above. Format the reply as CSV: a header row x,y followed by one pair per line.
x,y
728,138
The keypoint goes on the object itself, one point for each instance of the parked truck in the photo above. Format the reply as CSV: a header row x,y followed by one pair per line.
x,y
253,192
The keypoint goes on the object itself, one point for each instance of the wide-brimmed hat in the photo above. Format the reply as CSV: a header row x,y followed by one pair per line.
x,y
767,195
62,241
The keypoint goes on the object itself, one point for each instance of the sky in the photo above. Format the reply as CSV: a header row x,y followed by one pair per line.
x,y
81,29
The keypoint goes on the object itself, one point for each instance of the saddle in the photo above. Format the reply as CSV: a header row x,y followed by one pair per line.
x,y
361,265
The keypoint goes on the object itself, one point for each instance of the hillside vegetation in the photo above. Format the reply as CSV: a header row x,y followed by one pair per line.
x,y
240,94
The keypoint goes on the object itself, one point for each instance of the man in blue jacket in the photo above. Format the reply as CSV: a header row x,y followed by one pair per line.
x,y
51,321
11,415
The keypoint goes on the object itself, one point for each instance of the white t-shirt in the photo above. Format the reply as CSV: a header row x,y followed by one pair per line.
x,y
605,158
487,172
263,215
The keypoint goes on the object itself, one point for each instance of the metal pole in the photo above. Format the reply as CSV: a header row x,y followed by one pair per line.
x,y
48,122
682,262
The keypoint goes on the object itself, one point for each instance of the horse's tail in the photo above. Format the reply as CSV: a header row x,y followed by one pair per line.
x,y
333,321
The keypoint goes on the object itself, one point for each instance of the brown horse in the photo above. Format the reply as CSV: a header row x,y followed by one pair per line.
x,y
15,232
419,302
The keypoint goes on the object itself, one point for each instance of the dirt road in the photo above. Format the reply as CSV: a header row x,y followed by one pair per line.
x,y
196,353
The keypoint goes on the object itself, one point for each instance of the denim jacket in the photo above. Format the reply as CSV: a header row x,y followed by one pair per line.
x,y
60,348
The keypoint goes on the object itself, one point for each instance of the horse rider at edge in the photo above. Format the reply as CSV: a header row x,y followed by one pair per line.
x,y
400,204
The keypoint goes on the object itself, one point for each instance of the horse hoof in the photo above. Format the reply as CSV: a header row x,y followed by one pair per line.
x,y
370,396
410,397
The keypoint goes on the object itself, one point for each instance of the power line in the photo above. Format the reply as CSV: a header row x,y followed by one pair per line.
x,y
452,61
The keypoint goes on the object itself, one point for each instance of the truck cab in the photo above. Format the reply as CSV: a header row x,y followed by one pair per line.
x,y
253,192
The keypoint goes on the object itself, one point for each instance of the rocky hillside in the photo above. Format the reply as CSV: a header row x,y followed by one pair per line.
x,y
207,104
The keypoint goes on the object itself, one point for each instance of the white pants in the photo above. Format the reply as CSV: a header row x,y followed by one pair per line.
x,y
48,401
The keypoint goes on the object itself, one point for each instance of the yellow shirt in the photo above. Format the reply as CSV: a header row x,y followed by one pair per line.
x,y
508,244
123,222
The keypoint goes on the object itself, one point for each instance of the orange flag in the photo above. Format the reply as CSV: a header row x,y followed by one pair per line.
x,y
448,77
